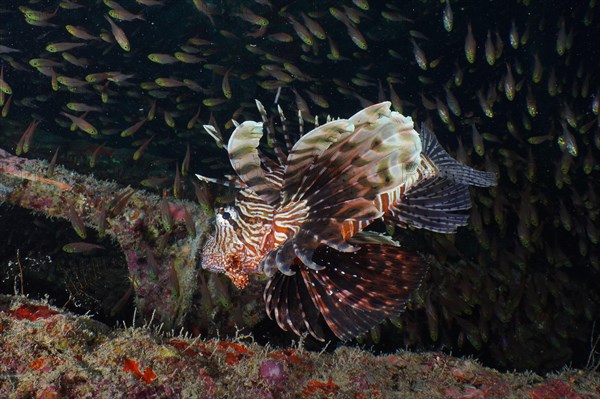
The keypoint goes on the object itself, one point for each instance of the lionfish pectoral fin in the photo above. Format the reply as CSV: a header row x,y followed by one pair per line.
x,y
289,303
283,259
304,247
432,204
353,293
372,160
329,234
308,148
279,259
450,167
325,225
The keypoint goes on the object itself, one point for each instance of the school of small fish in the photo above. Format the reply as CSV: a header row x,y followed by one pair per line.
x,y
152,87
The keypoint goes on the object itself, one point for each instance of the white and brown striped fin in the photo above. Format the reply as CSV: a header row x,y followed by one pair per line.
x,y
289,302
341,183
246,161
355,292
371,113
308,148
371,160
357,167
272,137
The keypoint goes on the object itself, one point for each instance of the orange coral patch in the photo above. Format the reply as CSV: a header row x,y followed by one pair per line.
x,y
32,312
38,363
131,365
233,357
184,347
290,356
321,388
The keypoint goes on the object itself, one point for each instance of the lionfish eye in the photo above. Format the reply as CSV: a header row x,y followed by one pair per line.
x,y
226,215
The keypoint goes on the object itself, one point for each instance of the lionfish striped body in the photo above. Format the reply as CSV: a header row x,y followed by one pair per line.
x,y
300,218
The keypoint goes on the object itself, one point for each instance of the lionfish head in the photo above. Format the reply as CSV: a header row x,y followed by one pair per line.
x,y
224,252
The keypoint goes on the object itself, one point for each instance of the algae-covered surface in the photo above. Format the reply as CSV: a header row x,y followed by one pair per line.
x,y
50,353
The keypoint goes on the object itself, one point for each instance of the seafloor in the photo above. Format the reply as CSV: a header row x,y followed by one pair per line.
x,y
50,353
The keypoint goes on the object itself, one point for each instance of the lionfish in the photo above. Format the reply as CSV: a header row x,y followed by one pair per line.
x,y
299,217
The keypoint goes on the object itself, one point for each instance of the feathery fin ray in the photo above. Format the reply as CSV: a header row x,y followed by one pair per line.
x,y
354,292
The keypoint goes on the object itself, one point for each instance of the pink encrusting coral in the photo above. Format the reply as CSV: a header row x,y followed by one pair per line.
x,y
49,353
161,259
273,373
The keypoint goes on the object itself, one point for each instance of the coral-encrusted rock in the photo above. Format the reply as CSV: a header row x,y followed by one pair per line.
x,y
46,353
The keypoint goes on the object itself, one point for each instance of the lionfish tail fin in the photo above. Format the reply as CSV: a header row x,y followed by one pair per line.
x,y
437,202
353,293
450,167
433,204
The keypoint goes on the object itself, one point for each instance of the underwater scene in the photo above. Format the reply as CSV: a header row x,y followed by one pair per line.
x,y
296,179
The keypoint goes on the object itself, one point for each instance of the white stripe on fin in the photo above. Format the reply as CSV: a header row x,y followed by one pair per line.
x,y
244,158
371,113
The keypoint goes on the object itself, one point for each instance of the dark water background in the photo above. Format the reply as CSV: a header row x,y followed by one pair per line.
x,y
513,301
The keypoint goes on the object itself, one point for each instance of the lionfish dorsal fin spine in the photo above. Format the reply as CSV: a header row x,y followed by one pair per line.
x,y
246,161
300,123
271,137
214,133
288,140
261,109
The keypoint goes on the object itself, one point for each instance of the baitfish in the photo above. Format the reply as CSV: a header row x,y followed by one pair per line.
x,y
299,217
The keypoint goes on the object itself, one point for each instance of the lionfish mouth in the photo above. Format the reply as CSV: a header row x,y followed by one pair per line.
x,y
300,218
